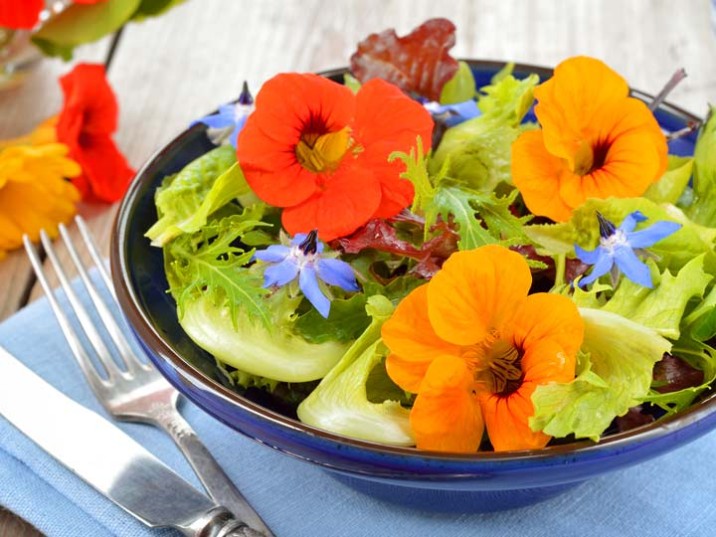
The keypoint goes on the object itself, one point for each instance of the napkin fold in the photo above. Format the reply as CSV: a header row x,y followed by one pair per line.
x,y
670,495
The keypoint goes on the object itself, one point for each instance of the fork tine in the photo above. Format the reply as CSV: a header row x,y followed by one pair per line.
x,y
86,323
70,335
94,252
127,355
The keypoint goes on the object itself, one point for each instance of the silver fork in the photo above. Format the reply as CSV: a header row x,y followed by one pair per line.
x,y
136,391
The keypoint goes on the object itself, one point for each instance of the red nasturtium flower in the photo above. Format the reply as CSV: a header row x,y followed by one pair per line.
x,y
474,347
20,14
24,14
320,151
595,141
86,125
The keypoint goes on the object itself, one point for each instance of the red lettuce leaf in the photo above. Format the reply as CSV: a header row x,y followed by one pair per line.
x,y
419,62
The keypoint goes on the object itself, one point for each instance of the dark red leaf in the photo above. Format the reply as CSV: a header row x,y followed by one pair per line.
x,y
419,62
378,235
632,419
673,374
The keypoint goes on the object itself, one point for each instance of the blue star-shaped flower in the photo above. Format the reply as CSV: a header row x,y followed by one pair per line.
x,y
303,259
618,248
229,120
454,113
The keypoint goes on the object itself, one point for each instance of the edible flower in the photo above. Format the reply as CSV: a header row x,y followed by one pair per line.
x,y
86,125
595,141
453,114
320,152
474,347
34,193
20,15
226,124
618,248
303,259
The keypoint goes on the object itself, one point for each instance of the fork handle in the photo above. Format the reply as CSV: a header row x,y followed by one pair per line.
x,y
214,479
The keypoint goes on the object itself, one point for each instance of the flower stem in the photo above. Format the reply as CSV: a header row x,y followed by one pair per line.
x,y
677,77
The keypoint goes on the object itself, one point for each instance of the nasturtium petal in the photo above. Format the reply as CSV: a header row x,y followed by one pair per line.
x,y
548,317
409,334
476,292
446,415
505,423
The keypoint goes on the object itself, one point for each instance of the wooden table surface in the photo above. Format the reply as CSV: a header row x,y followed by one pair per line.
x,y
175,68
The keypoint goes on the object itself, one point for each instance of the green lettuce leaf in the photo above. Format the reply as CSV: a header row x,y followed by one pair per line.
x,y
703,209
153,8
479,150
671,186
346,321
340,403
82,23
496,223
185,200
209,264
460,87
662,307
616,377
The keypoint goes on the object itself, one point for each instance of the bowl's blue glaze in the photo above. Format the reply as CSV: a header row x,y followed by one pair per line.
x,y
464,483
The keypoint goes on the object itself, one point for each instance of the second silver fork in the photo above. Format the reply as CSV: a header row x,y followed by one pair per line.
x,y
136,391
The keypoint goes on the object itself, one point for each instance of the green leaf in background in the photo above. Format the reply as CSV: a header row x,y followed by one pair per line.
x,y
184,201
459,88
671,186
152,8
703,209
340,403
618,376
479,150
82,23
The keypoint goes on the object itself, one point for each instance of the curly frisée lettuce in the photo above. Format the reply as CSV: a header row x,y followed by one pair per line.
x,y
341,404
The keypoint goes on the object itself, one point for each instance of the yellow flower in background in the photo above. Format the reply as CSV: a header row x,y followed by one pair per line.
x,y
34,192
44,133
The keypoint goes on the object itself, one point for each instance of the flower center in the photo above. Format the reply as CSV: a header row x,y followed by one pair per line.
x,y
323,152
589,157
498,366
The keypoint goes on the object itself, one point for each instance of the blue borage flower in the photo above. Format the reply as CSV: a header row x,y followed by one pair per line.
x,y
454,113
230,119
618,248
303,259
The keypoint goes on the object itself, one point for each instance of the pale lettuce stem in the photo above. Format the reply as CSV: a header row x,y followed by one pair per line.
x,y
560,268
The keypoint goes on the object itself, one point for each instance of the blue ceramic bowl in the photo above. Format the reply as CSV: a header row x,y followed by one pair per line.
x,y
430,481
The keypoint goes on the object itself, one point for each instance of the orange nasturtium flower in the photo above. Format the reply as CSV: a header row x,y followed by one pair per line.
x,y
320,152
34,193
474,347
595,141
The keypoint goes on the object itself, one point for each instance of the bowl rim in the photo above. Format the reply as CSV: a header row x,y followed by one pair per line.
x,y
145,330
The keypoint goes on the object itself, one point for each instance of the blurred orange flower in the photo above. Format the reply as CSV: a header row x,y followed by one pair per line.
x,y
320,151
34,193
86,125
474,346
595,141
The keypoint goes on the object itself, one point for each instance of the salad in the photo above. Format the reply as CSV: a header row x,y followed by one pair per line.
x,y
409,259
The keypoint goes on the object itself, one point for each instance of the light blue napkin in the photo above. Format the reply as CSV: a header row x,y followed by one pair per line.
x,y
671,495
